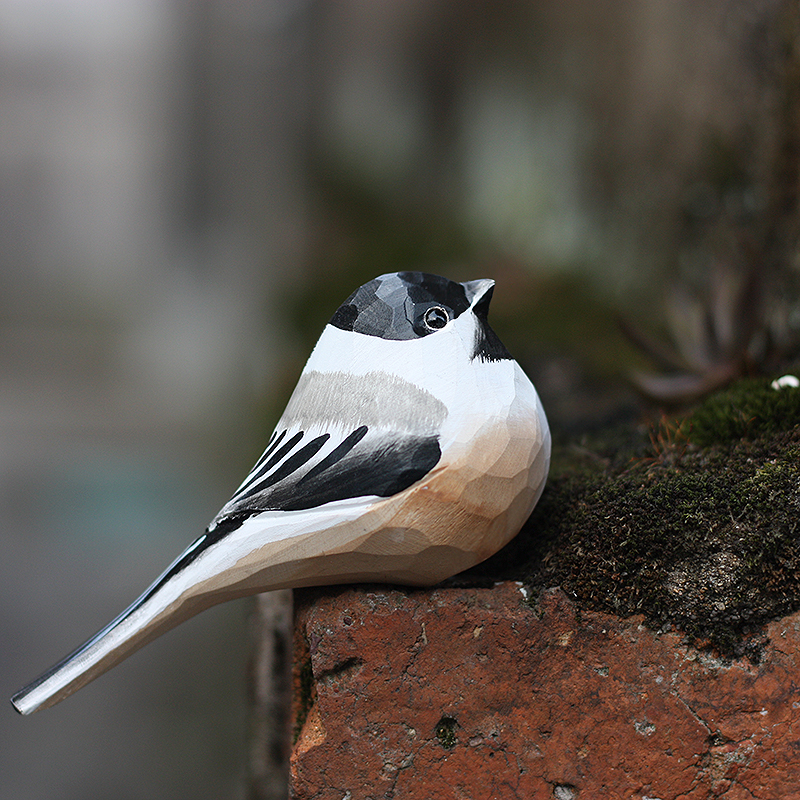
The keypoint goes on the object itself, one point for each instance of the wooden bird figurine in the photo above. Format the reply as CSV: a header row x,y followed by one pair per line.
x,y
412,448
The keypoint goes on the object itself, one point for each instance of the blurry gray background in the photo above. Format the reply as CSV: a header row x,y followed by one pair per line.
x,y
188,190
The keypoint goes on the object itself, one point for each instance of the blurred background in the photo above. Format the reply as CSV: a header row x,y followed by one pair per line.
x,y
189,188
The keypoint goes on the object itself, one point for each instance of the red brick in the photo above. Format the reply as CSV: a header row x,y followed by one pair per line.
x,y
545,702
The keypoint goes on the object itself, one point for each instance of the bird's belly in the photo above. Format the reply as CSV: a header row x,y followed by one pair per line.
x,y
477,499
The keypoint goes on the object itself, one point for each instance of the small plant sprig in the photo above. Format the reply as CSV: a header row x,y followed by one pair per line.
x,y
669,439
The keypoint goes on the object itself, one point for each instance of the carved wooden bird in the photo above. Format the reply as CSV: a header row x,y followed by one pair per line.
x,y
413,447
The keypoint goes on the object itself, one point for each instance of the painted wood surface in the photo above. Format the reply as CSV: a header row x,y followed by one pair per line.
x,y
413,447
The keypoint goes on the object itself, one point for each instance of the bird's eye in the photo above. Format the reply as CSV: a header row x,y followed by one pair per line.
x,y
435,318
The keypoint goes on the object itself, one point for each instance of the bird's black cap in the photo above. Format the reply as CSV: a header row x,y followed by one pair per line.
x,y
402,305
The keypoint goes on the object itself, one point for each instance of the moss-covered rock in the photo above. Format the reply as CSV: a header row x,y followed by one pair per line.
x,y
747,409
702,538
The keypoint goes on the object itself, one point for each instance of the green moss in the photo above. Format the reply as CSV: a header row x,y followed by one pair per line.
x,y
747,409
703,540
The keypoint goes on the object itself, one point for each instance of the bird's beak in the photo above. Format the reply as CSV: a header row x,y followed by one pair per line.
x,y
478,290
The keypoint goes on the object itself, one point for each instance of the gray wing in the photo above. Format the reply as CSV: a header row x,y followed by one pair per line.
x,y
342,436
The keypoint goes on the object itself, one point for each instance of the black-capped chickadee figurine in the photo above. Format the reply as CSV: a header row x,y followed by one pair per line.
x,y
413,447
